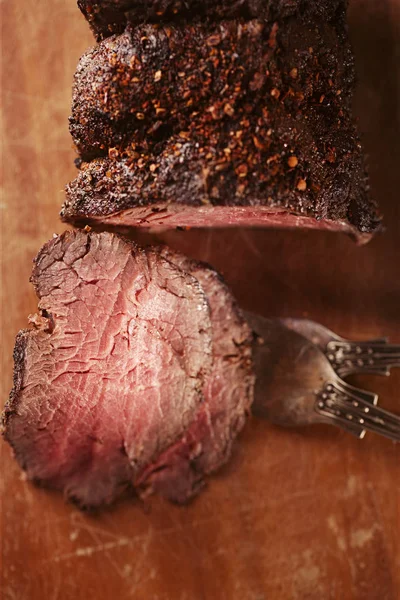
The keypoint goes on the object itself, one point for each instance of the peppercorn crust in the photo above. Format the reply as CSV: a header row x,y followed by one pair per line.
x,y
240,113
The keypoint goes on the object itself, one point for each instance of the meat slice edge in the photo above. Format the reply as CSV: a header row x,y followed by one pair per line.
x,y
179,473
114,370
163,216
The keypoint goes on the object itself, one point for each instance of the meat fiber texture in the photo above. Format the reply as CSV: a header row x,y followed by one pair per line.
x,y
136,374
233,122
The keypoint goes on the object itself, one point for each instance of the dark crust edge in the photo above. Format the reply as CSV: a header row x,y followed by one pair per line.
x,y
11,406
114,18
199,475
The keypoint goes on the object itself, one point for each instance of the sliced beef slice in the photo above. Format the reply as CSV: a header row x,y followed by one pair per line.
x,y
229,123
113,372
137,373
206,445
111,16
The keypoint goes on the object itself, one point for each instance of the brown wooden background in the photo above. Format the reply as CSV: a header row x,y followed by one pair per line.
x,y
312,514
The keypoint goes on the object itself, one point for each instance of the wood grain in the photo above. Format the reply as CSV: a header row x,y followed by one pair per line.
x,y
311,514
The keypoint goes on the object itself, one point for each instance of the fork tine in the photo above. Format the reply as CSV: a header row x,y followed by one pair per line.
x,y
344,404
374,356
355,428
362,357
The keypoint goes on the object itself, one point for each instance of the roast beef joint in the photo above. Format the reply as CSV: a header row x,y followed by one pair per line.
x,y
218,114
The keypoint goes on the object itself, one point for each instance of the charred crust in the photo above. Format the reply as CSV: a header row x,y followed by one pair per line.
x,y
11,405
177,121
108,17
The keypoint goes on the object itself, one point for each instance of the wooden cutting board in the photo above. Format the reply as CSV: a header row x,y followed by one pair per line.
x,y
310,514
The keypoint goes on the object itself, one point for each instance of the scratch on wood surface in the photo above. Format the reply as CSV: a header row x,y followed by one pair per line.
x,y
334,527
10,594
78,521
90,550
56,582
140,562
251,503
244,591
351,486
246,237
87,551
144,539
309,578
378,517
360,537
185,532
73,535
96,538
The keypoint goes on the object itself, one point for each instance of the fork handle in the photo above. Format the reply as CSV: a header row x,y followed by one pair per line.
x,y
343,404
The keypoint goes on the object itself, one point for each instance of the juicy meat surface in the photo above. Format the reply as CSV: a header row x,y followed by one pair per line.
x,y
179,472
160,217
114,371
107,17
121,368
237,113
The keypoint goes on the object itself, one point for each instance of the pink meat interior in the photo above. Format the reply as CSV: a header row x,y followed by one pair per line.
x,y
115,373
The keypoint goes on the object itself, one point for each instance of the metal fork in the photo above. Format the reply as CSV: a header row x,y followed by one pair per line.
x,y
297,385
347,357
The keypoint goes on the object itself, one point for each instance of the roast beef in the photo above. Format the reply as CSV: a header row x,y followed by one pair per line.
x,y
237,122
125,382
